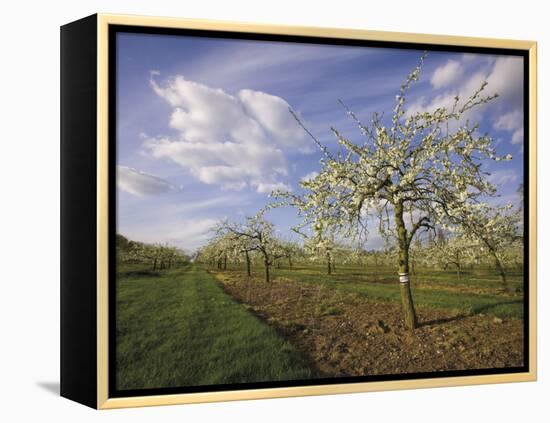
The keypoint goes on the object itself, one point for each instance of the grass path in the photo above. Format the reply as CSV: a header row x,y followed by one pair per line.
x,y
180,329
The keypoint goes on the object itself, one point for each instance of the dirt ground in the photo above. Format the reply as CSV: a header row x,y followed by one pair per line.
x,y
349,335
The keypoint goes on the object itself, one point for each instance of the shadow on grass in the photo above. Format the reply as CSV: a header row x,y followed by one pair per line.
x,y
489,307
476,310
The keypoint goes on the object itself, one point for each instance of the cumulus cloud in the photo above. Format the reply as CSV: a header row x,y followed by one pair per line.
x,y
273,114
446,74
512,122
139,183
309,176
504,76
446,99
235,141
506,79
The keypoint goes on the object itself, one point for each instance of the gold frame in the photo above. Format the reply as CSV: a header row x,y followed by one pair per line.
x,y
103,21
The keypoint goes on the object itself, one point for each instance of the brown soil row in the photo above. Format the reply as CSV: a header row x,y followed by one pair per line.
x,y
349,335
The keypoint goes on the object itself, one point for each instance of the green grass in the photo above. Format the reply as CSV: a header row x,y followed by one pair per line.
x,y
381,284
179,328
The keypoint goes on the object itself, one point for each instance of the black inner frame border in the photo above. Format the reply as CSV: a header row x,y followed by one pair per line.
x,y
113,30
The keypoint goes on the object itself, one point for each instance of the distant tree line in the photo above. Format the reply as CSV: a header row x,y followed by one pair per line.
x,y
157,256
254,242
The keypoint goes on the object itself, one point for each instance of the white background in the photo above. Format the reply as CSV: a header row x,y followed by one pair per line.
x,y
29,166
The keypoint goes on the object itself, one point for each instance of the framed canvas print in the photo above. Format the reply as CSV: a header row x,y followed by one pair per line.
x,y
258,211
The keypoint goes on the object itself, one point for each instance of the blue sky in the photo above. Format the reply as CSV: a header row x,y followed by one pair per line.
x,y
204,131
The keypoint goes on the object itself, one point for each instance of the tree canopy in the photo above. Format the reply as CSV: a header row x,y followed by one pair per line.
x,y
426,165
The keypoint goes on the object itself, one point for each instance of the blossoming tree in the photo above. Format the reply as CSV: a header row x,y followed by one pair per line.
x,y
411,172
256,234
496,228
456,251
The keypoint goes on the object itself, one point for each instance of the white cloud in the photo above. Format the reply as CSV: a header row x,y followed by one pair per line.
x,y
502,177
512,122
268,188
423,104
232,141
446,74
446,99
273,114
504,76
188,234
309,176
506,79
139,183
184,221
517,137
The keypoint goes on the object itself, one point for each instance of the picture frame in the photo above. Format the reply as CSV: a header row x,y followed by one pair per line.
x,y
89,78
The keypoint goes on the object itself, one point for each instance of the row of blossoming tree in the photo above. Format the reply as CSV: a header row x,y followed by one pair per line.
x,y
410,173
246,247
155,256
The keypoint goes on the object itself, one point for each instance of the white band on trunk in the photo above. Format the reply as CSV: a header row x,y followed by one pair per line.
x,y
404,278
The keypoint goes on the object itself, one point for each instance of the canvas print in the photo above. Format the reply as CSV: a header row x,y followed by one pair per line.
x,y
299,213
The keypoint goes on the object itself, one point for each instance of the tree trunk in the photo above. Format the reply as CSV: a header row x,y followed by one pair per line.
x,y
154,264
329,268
500,269
404,284
289,262
266,264
247,263
225,262
458,267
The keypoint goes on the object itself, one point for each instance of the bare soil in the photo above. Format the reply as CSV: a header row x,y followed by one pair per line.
x,y
349,335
